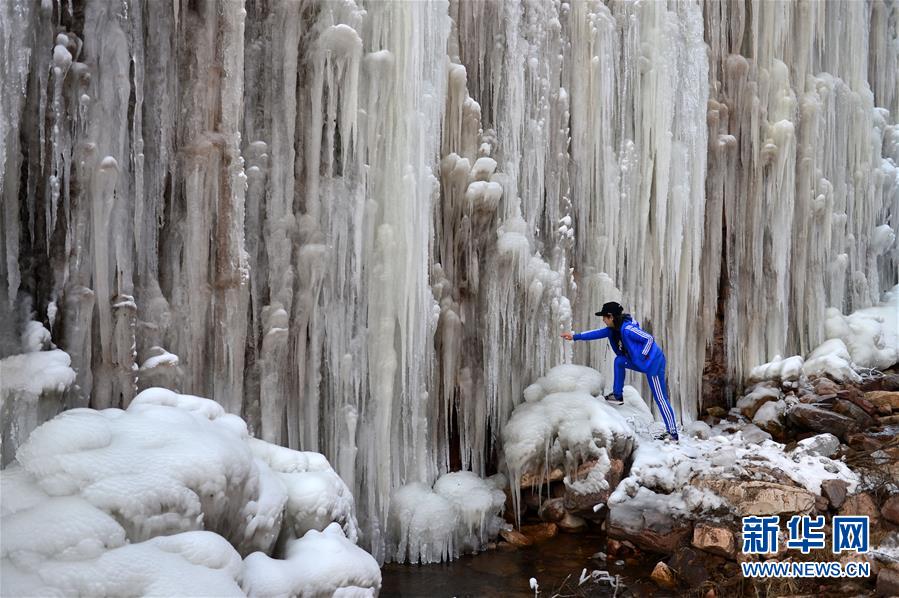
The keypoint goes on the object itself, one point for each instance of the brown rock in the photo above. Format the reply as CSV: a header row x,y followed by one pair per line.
x,y
864,442
888,382
890,509
821,504
689,565
530,479
515,538
852,410
861,504
809,417
858,398
884,399
664,576
539,531
888,582
835,492
760,497
714,539
583,504
718,412
826,386
650,530
889,420
552,510
749,410
572,524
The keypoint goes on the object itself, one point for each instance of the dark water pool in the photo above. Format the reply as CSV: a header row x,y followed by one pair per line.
x,y
501,573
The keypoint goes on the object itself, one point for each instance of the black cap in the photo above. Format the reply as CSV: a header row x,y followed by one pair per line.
x,y
611,309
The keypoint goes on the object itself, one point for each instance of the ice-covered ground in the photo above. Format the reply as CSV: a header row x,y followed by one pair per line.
x,y
167,497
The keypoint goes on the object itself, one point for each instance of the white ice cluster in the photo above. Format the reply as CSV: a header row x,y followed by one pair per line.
x,y
457,516
165,498
564,422
32,387
866,338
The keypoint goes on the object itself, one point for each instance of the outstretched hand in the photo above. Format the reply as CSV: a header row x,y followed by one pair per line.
x,y
568,336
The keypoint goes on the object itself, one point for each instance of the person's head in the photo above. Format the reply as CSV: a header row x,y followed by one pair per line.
x,y
612,314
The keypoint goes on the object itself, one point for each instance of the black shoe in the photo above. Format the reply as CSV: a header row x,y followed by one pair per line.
x,y
613,399
666,436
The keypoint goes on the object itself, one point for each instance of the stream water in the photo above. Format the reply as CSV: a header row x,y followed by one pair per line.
x,y
556,563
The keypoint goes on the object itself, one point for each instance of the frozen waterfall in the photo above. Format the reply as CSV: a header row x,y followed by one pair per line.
x,y
362,225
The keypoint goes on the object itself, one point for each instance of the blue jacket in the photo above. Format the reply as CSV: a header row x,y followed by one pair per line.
x,y
640,348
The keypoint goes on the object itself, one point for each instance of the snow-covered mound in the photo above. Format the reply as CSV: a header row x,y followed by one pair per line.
x,y
562,423
322,563
164,498
665,475
866,338
459,515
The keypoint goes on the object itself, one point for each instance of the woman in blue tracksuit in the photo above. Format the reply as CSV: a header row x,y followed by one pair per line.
x,y
636,350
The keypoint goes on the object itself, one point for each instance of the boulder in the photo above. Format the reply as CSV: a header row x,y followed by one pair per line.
x,y
816,419
715,539
583,504
850,409
884,400
835,492
888,382
861,504
752,402
887,582
539,532
718,412
890,509
760,497
864,442
649,529
889,420
821,445
552,510
826,386
664,576
530,479
515,537
572,524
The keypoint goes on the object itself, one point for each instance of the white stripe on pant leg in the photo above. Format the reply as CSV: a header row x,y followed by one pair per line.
x,y
664,407
664,399
670,409
660,402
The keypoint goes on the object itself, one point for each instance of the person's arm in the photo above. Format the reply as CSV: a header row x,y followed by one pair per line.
x,y
592,335
641,336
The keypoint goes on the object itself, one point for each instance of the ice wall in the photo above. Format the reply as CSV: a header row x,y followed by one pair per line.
x,y
363,225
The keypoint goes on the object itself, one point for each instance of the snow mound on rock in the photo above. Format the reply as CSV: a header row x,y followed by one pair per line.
x,y
163,498
663,475
562,424
322,563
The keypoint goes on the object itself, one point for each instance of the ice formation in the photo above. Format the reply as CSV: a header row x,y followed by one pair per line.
x,y
362,226
165,498
457,516
564,424
865,339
